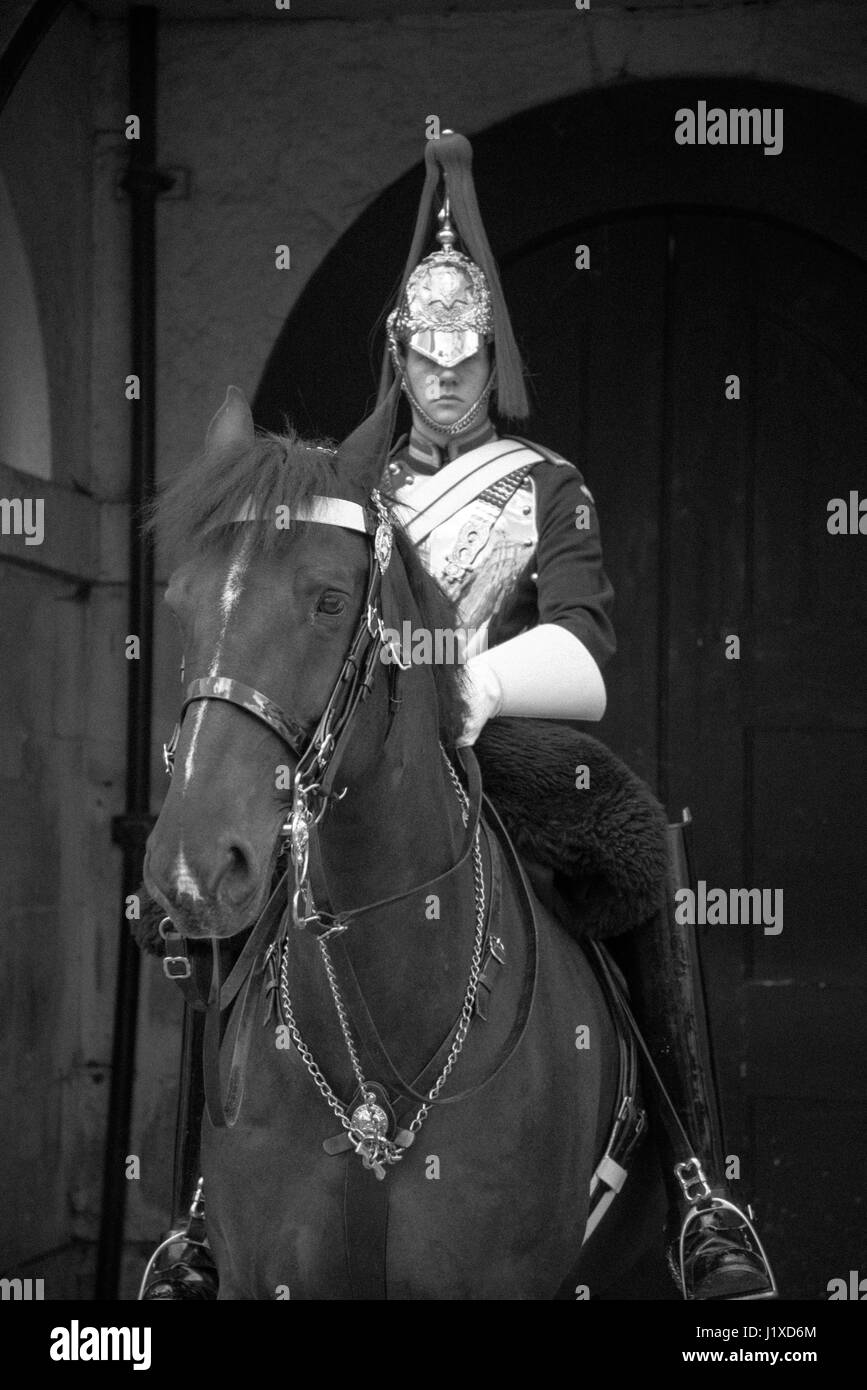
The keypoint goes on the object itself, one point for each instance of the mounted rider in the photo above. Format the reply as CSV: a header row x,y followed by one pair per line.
x,y
510,531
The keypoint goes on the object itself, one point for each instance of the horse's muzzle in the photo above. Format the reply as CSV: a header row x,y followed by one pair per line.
x,y
219,898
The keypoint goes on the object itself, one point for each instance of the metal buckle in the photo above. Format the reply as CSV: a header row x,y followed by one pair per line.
x,y
383,540
169,750
322,746
689,1180
299,840
633,1119
169,962
625,1107
374,621
183,973
301,913
378,632
335,929
309,922
395,657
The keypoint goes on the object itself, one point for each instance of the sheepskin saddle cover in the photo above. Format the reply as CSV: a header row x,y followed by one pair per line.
x,y
571,805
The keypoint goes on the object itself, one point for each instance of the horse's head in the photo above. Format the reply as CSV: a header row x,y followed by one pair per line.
x,y
273,604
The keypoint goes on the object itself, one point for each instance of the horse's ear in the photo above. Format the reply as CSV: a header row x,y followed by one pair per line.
x,y
362,456
232,426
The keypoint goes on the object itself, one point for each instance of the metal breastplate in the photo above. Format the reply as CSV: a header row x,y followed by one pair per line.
x,y
478,555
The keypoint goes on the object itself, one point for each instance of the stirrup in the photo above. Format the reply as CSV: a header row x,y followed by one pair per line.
x,y
722,1236
189,1272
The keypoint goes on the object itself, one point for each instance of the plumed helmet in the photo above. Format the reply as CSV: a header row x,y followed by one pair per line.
x,y
445,311
451,301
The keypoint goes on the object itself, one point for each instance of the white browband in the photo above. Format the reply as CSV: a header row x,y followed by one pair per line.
x,y
330,511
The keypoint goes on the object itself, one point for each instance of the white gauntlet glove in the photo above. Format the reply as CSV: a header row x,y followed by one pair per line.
x,y
546,673
484,697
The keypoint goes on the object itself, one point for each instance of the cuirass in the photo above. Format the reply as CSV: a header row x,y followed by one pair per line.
x,y
479,554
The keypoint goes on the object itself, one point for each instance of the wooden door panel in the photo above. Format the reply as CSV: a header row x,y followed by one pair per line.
x,y
810,596
706,463
777,741
810,1176
808,839
596,367
714,524
805,1044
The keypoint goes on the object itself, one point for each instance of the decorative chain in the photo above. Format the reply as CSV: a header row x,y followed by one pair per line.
x,y
379,1149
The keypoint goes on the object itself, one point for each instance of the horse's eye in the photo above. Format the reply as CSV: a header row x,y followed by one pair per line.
x,y
332,604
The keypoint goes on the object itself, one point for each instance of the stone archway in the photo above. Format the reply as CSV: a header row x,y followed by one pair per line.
x,y
568,162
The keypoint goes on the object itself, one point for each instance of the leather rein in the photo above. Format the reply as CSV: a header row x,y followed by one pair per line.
x,y
319,753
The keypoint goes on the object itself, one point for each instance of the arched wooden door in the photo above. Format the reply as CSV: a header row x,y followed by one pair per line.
x,y
714,516
704,264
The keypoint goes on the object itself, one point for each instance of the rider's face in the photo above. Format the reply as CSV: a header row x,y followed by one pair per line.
x,y
446,393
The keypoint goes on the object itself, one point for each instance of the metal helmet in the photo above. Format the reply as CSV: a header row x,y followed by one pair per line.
x,y
445,311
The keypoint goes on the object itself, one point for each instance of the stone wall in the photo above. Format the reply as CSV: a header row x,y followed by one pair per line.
x,y
62,686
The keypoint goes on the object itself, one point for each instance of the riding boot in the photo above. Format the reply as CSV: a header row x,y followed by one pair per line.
x,y
714,1251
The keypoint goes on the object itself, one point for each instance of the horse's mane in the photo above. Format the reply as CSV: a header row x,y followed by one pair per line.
x,y
198,509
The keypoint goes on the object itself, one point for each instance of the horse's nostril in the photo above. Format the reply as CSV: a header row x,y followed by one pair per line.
x,y
240,873
240,860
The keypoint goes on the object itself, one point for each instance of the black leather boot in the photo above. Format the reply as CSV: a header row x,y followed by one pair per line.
x,y
714,1249
191,1275
718,1254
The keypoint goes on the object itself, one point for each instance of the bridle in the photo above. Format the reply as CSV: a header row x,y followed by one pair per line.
x,y
319,750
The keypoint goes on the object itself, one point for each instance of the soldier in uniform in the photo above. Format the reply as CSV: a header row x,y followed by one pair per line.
x,y
508,528
510,531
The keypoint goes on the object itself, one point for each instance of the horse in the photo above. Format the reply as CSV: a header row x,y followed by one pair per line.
x,y
406,928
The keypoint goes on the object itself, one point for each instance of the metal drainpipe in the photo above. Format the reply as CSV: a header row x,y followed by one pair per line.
x,y
143,183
